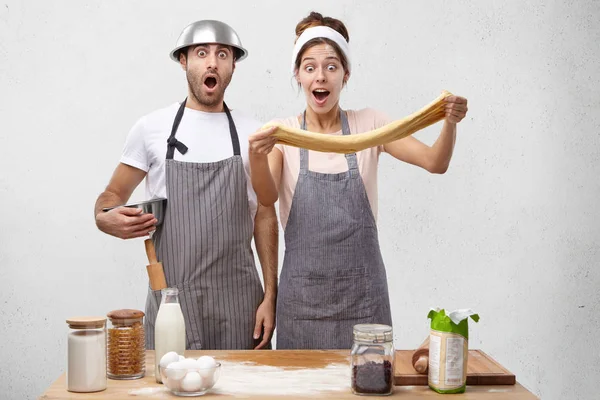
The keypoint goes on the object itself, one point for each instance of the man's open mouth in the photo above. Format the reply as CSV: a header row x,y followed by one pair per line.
x,y
210,82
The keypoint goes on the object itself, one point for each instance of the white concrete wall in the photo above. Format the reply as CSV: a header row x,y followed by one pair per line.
x,y
511,230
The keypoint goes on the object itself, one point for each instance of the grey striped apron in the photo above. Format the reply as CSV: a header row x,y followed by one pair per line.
x,y
333,274
204,244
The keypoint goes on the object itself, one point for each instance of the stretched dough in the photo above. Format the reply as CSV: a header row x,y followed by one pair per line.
x,y
428,115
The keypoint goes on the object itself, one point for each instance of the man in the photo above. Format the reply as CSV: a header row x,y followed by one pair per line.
x,y
195,154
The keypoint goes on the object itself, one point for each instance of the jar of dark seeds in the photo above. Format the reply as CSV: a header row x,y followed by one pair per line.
x,y
372,360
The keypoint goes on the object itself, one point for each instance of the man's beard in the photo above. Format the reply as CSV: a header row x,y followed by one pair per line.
x,y
196,83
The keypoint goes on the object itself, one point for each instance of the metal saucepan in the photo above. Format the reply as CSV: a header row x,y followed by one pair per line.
x,y
208,31
155,206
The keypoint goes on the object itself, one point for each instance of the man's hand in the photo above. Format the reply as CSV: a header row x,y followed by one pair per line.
x,y
265,322
126,222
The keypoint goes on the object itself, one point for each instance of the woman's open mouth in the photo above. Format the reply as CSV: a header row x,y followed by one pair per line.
x,y
320,96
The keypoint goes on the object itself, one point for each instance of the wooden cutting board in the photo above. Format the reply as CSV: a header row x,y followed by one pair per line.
x,y
481,370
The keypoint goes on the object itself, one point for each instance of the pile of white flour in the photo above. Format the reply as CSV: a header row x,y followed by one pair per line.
x,y
245,378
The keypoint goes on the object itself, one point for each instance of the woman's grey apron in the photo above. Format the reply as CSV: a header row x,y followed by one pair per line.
x,y
204,244
333,275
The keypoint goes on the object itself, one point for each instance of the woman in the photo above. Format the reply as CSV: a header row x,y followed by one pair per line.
x,y
333,275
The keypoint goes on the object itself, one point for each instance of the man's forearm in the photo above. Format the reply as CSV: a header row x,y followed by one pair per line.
x,y
262,180
122,184
266,239
107,199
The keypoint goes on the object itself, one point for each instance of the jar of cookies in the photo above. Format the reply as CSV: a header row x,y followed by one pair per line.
x,y
126,350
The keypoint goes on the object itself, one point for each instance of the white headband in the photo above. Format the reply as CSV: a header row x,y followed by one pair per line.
x,y
320,32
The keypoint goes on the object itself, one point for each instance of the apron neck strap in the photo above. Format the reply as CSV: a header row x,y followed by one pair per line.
x,y
235,141
350,158
173,143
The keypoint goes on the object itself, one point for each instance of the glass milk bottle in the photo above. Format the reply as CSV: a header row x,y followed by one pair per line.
x,y
169,328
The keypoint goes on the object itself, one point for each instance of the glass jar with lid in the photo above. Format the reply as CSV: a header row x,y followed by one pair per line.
x,y
86,354
126,345
372,358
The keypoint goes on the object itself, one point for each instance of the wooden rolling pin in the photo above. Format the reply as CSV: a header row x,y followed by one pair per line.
x,y
156,274
420,358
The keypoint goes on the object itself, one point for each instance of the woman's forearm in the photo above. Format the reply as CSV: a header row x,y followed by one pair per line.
x,y
442,149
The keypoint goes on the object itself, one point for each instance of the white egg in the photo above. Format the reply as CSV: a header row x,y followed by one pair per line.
x,y
175,371
192,382
206,366
189,363
168,359
207,362
173,384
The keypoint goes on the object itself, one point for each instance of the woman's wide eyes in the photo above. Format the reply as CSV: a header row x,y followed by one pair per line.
x,y
330,68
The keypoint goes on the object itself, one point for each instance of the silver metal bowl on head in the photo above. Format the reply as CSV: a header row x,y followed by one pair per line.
x,y
209,31
155,207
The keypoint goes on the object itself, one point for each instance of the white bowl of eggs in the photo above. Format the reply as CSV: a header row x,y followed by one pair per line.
x,y
188,376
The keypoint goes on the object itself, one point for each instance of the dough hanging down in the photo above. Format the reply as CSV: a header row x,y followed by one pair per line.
x,y
428,115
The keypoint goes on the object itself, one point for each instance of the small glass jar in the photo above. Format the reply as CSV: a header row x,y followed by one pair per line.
x,y
372,358
86,354
126,345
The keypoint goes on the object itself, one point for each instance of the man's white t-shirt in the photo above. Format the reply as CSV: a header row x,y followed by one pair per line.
x,y
205,134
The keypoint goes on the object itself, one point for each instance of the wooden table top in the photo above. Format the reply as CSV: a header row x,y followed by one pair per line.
x,y
286,361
